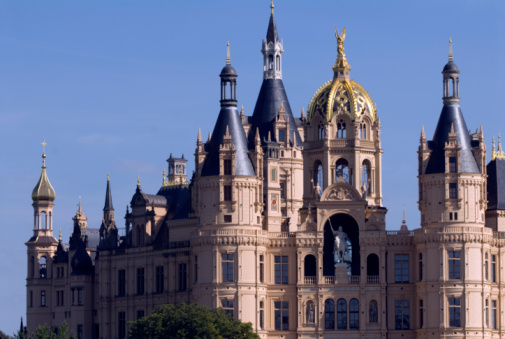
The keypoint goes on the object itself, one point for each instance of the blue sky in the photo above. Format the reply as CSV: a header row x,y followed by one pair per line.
x,y
116,86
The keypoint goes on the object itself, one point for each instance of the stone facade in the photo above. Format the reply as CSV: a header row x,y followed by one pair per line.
x,y
255,230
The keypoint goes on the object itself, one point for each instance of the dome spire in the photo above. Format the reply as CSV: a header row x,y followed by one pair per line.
x,y
341,68
43,190
228,58
272,8
450,49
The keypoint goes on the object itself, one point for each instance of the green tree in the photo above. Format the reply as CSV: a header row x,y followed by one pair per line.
x,y
185,321
45,332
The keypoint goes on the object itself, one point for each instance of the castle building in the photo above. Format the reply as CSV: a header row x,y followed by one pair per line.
x,y
282,225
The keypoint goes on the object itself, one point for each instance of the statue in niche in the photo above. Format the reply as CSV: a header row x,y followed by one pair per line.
x,y
341,245
372,312
310,312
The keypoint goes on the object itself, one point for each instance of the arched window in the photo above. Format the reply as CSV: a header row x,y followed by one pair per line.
x,y
362,131
310,266
278,63
342,170
373,312
310,312
43,267
341,130
318,176
329,314
342,314
354,314
366,180
372,265
44,220
270,62
320,131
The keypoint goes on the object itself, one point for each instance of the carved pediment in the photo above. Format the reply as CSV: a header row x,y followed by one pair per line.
x,y
341,191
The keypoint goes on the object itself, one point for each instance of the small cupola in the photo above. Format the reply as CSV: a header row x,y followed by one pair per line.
x,y
43,191
228,82
451,79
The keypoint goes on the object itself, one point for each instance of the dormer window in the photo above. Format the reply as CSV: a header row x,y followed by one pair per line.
x,y
363,131
282,135
227,167
320,131
453,190
341,130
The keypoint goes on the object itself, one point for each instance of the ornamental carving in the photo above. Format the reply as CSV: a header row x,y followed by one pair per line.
x,y
340,191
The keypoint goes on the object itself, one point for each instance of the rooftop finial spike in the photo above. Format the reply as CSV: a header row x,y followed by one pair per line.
x,y
272,7
403,220
43,143
450,49
199,138
341,63
108,178
138,179
164,180
228,59
493,151
60,234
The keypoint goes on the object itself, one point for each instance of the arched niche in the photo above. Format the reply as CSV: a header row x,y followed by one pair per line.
x,y
372,265
351,228
310,266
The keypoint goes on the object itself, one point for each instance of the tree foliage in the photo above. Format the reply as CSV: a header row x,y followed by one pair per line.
x,y
185,321
45,332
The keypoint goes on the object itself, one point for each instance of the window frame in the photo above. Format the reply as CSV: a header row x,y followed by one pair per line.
x,y
402,268
454,264
281,315
281,269
454,309
227,267
402,314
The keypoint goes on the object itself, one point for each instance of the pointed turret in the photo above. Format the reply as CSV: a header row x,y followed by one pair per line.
x,y
451,121
228,125
272,93
108,228
43,191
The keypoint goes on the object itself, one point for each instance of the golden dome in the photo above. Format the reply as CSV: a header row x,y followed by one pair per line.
x,y
43,191
341,96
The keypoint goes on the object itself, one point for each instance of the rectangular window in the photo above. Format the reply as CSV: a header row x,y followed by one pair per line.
x,y
227,167
227,218
31,298
486,313
420,267
282,135
281,315
261,316
160,279
494,315
493,268
140,314
455,312
227,192
262,269
283,190
281,269
121,325
402,314
421,313
182,277
62,298
227,267
227,307
453,190
401,268
140,281
121,283
196,268
79,297
453,168
486,267
42,298
80,333
454,264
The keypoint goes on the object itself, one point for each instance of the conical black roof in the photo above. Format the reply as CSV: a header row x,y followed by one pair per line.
x,y
108,198
228,117
451,115
272,35
496,184
270,98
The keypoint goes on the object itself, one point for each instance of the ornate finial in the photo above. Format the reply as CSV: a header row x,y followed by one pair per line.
x,y
138,179
79,209
403,220
242,111
499,152
60,234
209,137
493,153
199,137
108,178
272,7
450,49
303,114
44,144
164,181
228,59
341,62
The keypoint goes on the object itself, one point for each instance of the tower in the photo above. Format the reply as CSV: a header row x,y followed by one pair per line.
x,y
452,201
41,248
176,170
108,229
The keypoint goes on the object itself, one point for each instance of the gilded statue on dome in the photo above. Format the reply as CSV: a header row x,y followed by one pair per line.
x,y
341,60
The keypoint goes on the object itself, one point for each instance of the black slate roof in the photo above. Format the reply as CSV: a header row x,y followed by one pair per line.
x,y
451,114
228,116
178,201
272,94
496,184
272,35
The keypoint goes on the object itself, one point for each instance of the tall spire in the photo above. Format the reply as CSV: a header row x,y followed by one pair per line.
x,y
450,49
108,197
498,154
228,58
